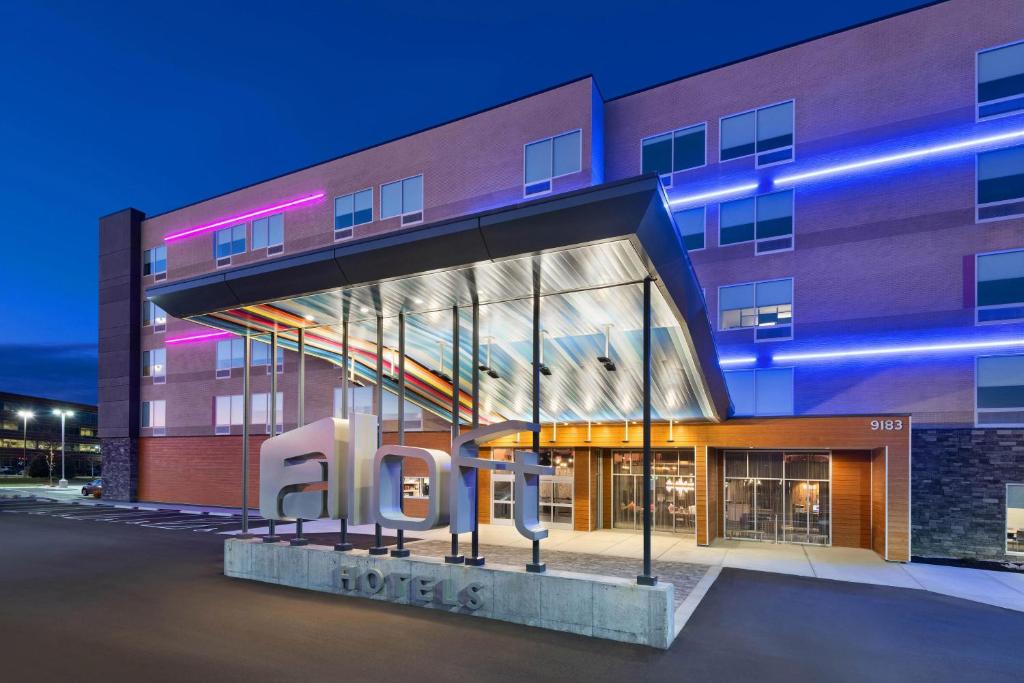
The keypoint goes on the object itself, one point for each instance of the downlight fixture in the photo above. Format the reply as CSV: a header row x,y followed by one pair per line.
x,y
606,359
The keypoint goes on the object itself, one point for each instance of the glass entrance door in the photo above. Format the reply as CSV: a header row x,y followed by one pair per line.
x,y
556,491
674,492
778,497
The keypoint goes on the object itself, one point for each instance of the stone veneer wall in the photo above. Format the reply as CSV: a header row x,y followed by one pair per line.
x,y
120,468
958,503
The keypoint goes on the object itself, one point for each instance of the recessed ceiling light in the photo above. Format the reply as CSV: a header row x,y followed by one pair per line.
x,y
364,309
417,301
309,318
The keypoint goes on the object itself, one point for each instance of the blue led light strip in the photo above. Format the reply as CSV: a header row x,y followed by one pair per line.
x,y
896,350
891,159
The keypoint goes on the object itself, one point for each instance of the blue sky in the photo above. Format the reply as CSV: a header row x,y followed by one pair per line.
x,y
155,105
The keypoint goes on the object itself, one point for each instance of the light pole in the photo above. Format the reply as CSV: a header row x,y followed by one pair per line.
x,y
63,483
25,416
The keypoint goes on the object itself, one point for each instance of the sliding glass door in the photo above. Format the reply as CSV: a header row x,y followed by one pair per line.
x,y
778,497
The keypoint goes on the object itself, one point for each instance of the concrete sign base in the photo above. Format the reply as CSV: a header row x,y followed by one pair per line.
x,y
597,606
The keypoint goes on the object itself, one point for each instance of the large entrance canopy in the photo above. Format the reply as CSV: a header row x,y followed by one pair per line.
x,y
588,252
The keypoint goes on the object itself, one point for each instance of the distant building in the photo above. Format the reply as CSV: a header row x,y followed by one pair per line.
x,y
20,443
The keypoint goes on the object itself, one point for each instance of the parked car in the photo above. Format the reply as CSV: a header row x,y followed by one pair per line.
x,y
94,488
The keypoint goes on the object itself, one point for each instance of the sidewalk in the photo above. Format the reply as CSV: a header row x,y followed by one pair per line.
x,y
1001,589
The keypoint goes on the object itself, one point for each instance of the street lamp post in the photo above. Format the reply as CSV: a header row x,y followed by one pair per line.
x,y
63,414
25,416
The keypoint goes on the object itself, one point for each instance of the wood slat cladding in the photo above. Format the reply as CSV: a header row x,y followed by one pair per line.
x,y
851,499
839,433
581,498
878,456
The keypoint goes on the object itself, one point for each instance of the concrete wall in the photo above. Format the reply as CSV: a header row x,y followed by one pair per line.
x,y
602,607
959,490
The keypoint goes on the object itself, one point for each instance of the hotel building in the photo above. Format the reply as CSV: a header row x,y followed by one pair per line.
x,y
830,237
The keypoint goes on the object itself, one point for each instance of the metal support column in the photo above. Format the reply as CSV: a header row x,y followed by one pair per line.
x,y
536,566
455,557
647,579
272,536
378,545
301,413
343,545
401,550
246,415
475,558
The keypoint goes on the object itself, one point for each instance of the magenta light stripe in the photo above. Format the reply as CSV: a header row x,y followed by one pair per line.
x,y
199,337
244,217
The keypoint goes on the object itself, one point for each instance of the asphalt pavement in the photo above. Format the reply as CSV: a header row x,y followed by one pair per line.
x,y
83,599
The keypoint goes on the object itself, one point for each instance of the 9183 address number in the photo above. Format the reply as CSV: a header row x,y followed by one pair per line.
x,y
887,425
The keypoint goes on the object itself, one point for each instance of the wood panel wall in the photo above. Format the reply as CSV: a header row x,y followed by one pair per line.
x,y
827,433
878,500
851,499
582,518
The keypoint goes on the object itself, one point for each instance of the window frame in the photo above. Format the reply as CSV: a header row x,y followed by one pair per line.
x,y
978,220
704,208
758,371
550,180
225,261
986,425
352,228
1006,520
977,307
155,430
270,249
792,309
978,118
148,260
147,367
755,153
403,214
151,306
670,176
756,241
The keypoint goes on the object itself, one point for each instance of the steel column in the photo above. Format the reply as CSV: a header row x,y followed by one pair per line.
x,y
536,566
455,557
475,558
246,417
646,578
378,546
343,545
401,550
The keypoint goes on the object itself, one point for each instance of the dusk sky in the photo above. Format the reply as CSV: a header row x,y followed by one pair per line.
x,y
109,105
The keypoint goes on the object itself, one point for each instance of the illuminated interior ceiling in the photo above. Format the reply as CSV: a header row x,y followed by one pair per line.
x,y
590,252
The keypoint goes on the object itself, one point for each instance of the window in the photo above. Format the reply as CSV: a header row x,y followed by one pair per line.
x,y
999,398
550,158
672,152
766,133
691,224
764,391
1000,287
268,233
1015,519
403,198
227,243
766,220
1001,81
351,210
154,262
229,355
227,412
154,416
1000,192
361,401
261,411
765,306
261,355
154,364
153,315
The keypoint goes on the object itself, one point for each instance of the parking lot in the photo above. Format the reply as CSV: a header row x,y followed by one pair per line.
x,y
143,516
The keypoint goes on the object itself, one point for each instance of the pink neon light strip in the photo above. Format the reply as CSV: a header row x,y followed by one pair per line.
x,y
198,337
244,217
